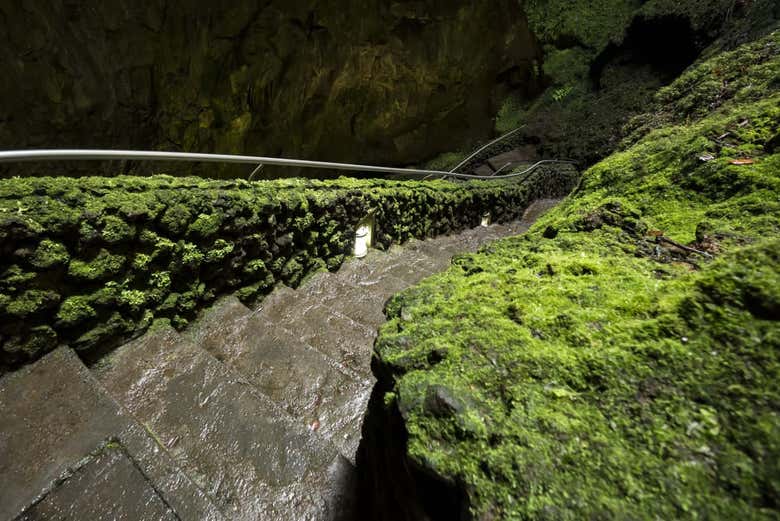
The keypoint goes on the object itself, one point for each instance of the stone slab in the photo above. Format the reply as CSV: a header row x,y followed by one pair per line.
x,y
216,324
107,487
526,154
54,414
337,336
484,171
321,394
252,460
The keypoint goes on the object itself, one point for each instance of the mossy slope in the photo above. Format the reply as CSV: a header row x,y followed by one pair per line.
x,y
598,367
91,261
605,59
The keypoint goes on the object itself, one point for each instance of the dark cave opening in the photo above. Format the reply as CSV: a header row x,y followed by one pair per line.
x,y
668,44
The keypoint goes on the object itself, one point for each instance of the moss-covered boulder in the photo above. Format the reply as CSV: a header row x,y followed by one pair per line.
x,y
622,359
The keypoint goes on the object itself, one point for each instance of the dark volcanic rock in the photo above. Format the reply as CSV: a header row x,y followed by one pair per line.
x,y
374,81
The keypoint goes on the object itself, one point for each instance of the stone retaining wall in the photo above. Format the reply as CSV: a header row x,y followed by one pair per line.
x,y
93,261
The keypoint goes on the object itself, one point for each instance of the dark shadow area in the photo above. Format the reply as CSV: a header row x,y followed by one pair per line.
x,y
390,487
668,44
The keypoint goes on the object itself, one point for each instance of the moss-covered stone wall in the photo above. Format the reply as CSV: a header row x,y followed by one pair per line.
x,y
90,261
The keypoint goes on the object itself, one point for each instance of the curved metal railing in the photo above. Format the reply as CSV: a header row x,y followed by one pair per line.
x,y
16,156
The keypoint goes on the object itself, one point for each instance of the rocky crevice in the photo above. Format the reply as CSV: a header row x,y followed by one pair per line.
x,y
391,485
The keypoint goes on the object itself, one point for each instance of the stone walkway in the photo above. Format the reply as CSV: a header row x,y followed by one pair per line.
x,y
250,414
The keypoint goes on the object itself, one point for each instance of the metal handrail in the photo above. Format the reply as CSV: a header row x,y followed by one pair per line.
x,y
485,147
14,156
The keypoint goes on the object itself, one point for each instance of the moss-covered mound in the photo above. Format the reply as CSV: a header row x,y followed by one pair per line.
x,y
90,261
621,360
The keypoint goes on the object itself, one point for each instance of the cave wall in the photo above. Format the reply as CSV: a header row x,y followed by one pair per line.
x,y
370,80
604,60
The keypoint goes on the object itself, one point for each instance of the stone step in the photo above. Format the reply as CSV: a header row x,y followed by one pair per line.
x,y
252,460
68,451
91,492
484,171
337,336
319,392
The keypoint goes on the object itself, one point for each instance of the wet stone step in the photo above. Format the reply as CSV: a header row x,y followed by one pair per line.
x,y
216,324
55,418
319,392
337,336
248,455
367,267
362,305
521,155
107,486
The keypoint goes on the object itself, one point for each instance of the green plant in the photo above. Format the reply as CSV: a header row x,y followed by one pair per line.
x,y
562,93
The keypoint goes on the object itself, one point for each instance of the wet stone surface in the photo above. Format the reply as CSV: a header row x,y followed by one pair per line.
x,y
117,490
55,416
309,349
249,414
251,459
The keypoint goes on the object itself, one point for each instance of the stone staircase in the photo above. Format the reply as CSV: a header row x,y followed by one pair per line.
x,y
250,414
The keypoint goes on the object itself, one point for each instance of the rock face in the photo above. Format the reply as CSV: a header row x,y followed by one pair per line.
x,y
377,80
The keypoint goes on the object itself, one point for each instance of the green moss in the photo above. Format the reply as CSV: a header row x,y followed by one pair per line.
x,y
75,310
603,372
50,254
114,327
594,24
509,117
255,267
160,324
169,304
170,246
32,302
160,280
567,66
594,93
15,277
39,341
102,267
712,83
445,162
292,272
87,232
220,251
116,230
176,219
141,261
205,226
134,299
161,248
106,296
191,255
